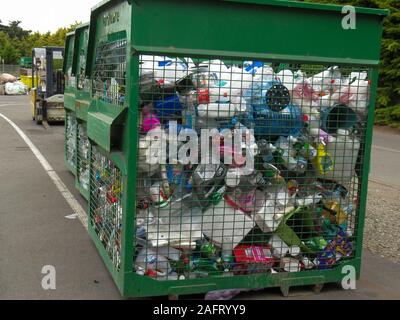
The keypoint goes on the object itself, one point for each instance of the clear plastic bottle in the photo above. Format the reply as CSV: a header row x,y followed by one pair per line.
x,y
155,265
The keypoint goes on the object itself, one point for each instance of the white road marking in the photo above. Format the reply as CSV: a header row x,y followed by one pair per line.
x,y
73,203
385,149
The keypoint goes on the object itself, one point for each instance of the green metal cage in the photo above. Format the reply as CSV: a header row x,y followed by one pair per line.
x,y
69,105
284,204
82,103
70,141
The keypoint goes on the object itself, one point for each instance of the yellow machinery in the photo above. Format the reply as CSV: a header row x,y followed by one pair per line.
x,y
27,80
33,102
47,83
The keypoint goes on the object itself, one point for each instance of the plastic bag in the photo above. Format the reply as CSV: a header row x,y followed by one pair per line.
x,y
353,92
6,78
17,88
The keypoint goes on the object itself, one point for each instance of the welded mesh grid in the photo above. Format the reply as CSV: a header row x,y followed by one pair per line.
x,y
110,71
106,204
294,209
83,156
83,81
70,78
70,139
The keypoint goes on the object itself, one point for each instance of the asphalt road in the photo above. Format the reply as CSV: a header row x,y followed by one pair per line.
x,y
385,165
34,230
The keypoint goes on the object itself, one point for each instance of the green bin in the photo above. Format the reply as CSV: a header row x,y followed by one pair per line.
x,y
82,103
170,227
69,105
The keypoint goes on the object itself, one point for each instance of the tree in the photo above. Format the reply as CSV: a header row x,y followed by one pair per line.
x,y
15,31
15,42
7,50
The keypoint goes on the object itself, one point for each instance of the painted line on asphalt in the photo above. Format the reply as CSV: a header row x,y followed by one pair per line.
x,y
73,203
385,149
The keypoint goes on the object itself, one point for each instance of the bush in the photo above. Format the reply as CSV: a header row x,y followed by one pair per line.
x,y
388,117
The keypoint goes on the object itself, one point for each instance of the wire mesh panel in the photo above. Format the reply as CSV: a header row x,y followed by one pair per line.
x,y
106,204
83,157
70,139
110,71
69,76
245,167
83,81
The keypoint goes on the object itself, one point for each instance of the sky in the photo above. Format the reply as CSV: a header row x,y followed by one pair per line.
x,y
46,15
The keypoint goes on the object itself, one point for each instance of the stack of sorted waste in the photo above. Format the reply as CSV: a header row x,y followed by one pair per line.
x,y
10,86
244,169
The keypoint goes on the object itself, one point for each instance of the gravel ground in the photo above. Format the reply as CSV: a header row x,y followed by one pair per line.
x,y
382,225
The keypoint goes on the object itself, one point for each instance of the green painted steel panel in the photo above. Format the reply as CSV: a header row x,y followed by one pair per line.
x,y
103,31
69,100
274,32
69,92
99,129
82,108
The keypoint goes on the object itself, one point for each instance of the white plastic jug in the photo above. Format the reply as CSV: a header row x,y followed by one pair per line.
x,y
344,150
226,226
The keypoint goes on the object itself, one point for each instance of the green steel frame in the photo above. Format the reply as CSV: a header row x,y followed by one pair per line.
x,y
70,90
82,95
79,66
196,29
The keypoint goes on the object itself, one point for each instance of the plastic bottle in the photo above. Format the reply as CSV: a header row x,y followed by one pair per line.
x,y
246,198
150,260
266,150
216,110
304,96
285,155
355,92
324,82
202,78
167,69
306,150
188,100
286,77
323,162
344,151
208,179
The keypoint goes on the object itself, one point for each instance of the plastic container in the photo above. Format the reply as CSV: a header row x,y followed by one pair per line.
x,y
270,123
344,150
338,117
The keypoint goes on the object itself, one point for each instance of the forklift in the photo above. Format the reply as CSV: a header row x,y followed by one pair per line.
x,y
47,94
